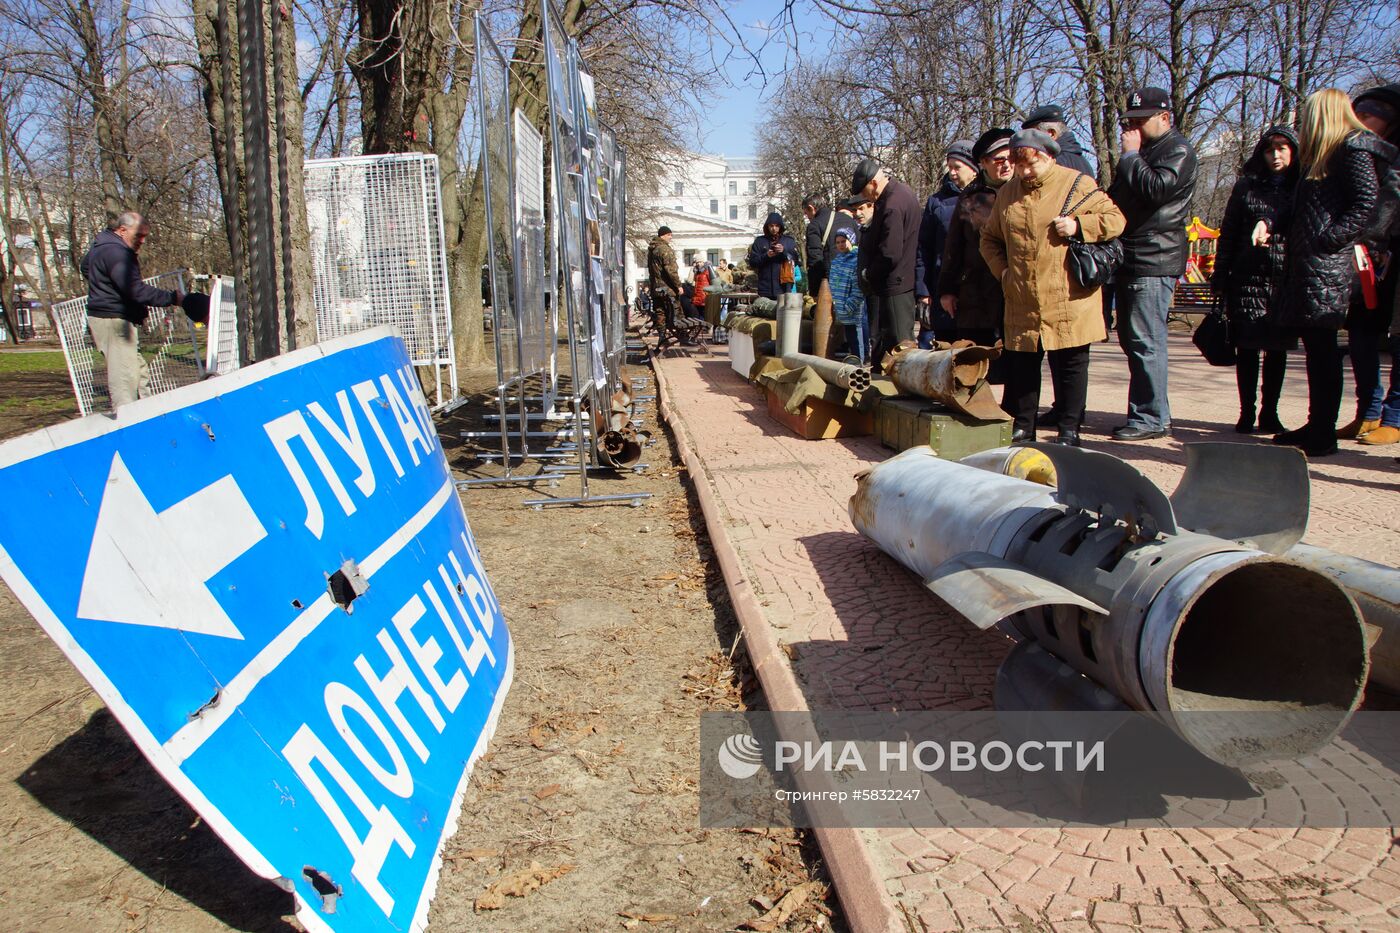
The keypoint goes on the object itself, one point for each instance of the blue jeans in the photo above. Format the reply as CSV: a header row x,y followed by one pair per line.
x,y
1374,401
1142,304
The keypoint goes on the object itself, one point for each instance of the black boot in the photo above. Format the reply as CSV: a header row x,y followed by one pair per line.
x,y
1298,437
1275,364
1246,380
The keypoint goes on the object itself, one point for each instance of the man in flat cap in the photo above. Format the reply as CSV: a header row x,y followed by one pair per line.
x,y
1153,186
891,248
1050,119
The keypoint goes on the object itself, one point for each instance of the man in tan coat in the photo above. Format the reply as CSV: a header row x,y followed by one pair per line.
x,y
1026,245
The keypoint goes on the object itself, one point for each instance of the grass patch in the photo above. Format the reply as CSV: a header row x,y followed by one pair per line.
x,y
40,405
35,361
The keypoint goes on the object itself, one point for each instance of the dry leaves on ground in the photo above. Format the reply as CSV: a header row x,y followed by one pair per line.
x,y
782,912
519,884
631,918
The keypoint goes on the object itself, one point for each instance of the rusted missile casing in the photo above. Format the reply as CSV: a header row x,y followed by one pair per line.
x,y
822,321
843,375
1174,623
619,449
956,377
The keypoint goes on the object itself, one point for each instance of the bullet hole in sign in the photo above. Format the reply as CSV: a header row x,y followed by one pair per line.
x,y
330,891
210,704
296,604
346,585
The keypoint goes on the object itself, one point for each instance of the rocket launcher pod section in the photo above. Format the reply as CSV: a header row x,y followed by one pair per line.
x,y
1176,622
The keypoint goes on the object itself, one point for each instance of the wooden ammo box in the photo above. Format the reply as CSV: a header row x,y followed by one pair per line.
x,y
819,419
901,423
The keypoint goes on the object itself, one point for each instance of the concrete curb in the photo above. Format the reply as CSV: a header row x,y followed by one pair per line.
x,y
858,884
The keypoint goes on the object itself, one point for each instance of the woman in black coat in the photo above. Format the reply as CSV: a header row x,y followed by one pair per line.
x,y
1341,164
1247,276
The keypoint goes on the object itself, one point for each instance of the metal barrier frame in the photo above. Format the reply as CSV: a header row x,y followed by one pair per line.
x,y
435,317
70,319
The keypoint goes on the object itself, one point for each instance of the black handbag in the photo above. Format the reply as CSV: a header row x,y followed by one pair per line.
x,y
1090,264
1212,337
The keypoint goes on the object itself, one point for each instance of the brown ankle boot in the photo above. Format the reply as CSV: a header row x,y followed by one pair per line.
x,y
1357,428
1381,436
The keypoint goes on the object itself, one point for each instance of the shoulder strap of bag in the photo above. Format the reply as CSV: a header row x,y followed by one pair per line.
x,y
1064,211
827,235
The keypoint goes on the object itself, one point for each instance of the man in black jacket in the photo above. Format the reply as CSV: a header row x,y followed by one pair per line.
x,y
1153,187
1050,119
961,170
118,301
890,248
820,239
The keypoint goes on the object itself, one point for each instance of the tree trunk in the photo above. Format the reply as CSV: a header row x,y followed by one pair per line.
x,y
291,291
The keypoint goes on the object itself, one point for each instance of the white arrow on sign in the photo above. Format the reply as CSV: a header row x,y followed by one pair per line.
x,y
151,569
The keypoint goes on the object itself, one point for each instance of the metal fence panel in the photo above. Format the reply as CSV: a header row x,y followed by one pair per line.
x,y
493,97
533,274
173,350
221,354
377,251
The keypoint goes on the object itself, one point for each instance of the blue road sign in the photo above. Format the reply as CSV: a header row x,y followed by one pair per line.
x,y
269,579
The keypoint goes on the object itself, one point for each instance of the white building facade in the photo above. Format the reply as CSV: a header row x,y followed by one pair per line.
x,y
714,206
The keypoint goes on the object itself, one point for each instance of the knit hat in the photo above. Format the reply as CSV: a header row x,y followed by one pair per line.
x,y
961,149
1035,139
196,307
994,140
663,231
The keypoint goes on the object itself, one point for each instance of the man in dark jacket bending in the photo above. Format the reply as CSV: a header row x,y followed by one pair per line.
x,y
1153,186
820,239
890,249
117,304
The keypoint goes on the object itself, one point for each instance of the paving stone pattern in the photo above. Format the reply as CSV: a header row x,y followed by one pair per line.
x,y
861,633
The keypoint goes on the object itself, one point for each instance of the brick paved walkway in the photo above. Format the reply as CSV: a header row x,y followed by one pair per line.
x,y
861,633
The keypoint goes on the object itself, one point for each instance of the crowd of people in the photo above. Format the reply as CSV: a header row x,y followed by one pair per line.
x,y
1019,244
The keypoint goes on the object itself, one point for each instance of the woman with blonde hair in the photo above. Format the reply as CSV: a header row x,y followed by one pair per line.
x,y
1025,242
1341,163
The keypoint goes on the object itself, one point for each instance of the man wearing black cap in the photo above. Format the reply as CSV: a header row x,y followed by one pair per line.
x,y
1050,119
961,171
1153,186
665,283
891,248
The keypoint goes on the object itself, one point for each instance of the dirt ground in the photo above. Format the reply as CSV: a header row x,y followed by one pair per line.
x,y
623,636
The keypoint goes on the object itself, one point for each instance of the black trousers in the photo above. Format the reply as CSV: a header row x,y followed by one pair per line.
x,y
1324,366
1069,375
893,319
1247,379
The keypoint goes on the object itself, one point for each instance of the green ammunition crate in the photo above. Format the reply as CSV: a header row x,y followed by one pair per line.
x,y
901,423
